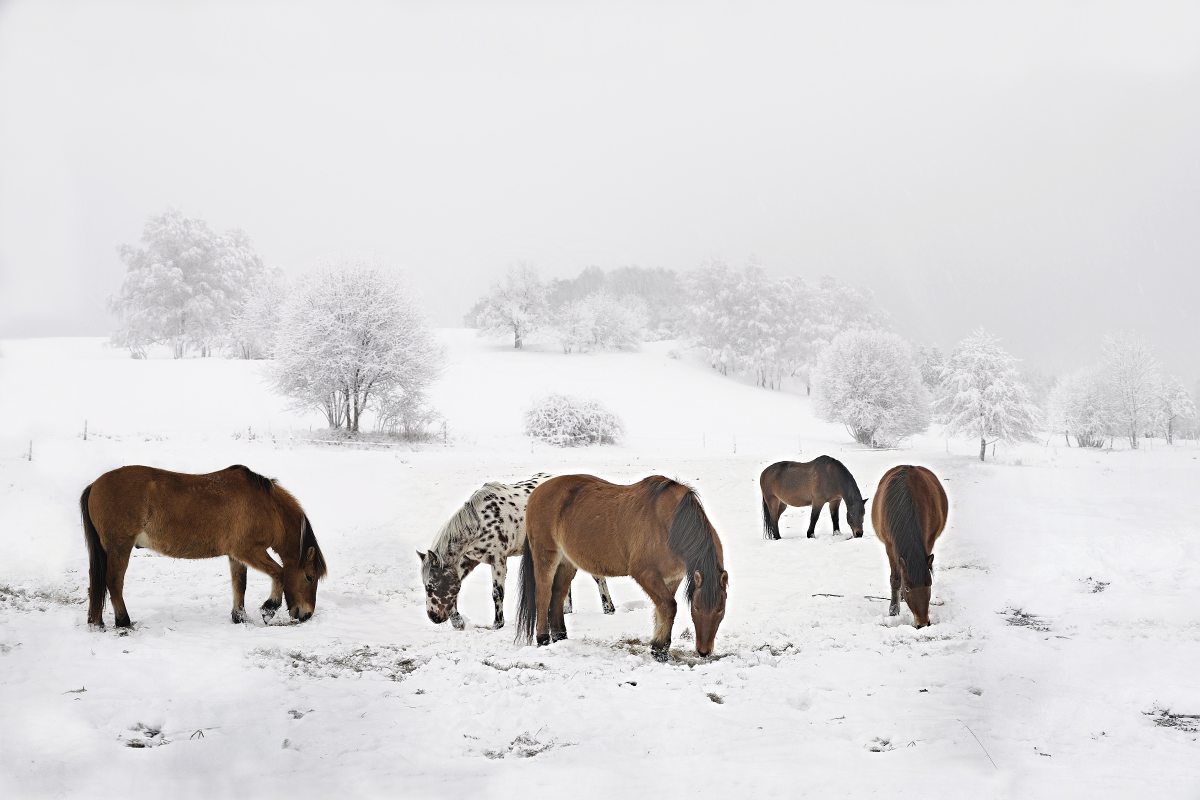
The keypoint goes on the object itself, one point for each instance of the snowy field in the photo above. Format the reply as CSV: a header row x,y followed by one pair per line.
x,y
1065,627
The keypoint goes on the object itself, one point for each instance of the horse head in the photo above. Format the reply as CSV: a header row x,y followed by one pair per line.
x,y
300,579
916,597
708,609
854,515
442,583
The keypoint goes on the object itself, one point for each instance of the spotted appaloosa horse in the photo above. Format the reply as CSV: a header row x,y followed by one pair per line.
x,y
488,529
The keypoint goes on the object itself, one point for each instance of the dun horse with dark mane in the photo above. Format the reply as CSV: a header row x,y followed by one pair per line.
x,y
654,531
909,514
233,512
814,483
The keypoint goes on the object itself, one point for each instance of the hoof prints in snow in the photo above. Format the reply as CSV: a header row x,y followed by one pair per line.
x,y
385,660
1094,586
1165,718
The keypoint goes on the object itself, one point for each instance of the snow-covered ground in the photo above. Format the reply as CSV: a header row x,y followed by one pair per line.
x,y
1065,618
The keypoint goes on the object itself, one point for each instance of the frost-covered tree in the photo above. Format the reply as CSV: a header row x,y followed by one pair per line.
x,y
1080,406
183,285
601,322
824,310
350,340
1175,405
516,306
930,362
1134,380
867,380
252,328
572,422
982,395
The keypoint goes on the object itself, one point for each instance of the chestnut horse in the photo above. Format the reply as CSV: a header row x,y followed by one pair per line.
x,y
909,514
813,483
654,531
234,512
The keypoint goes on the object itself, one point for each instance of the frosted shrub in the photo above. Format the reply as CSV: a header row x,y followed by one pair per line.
x,y
571,422
867,380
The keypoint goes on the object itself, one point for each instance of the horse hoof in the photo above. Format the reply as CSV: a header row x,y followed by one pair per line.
x,y
660,654
268,614
238,615
543,639
609,608
557,636
124,622
497,625
894,611
458,623
96,626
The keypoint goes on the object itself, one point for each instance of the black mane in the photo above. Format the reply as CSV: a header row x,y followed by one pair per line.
x,y
264,483
901,513
692,539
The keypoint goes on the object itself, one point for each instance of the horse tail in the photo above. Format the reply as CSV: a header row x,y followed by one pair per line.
x,y
97,558
904,527
770,527
527,604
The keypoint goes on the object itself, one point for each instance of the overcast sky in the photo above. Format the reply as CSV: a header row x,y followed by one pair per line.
x,y
1034,168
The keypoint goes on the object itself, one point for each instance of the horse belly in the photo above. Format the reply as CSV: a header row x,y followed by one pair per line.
x,y
178,547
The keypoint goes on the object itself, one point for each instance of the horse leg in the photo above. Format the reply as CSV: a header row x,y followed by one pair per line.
x,y
662,595
545,565
812,520
569,603
499,576
237,575
605,598
894,608
262,561
835,506
562,586
118,562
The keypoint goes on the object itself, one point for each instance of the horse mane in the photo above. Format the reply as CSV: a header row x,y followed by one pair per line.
x,y
904,527
263,482
309,539
854,495
463,525
692,539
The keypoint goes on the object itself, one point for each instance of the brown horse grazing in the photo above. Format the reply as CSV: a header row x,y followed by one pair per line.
x,y
908,515
814,483
654,531
234,512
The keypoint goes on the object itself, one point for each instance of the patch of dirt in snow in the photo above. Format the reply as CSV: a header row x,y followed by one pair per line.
x,y
385,660
1094,586
1022,619
1165,718
525,746
19,599
142,735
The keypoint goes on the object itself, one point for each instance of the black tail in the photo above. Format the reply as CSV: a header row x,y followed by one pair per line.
x,y
770,526
900,510
527,604
97,561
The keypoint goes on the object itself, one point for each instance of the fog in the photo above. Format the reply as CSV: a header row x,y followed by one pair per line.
x,y
1030,167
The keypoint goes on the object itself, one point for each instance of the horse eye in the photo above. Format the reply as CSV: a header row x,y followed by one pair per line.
x,y
308,578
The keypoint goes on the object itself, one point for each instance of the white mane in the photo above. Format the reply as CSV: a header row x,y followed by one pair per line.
x,y
463,527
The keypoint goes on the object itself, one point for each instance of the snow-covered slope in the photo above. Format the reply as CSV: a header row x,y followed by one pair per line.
x,y
1064,617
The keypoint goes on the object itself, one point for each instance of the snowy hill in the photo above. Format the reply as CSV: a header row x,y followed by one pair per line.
x,y
1063,627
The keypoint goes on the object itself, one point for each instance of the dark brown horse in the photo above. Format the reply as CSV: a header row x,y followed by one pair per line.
x,y
814,483
909,514
654,531
234,512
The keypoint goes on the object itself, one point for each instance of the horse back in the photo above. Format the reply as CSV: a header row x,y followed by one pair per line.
x,y
929,498
603,527
189,515
803,483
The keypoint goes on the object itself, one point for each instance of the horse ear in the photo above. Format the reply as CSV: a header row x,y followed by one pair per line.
x,y
697,579
865,499
931,560
421,556
310,555
724,579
